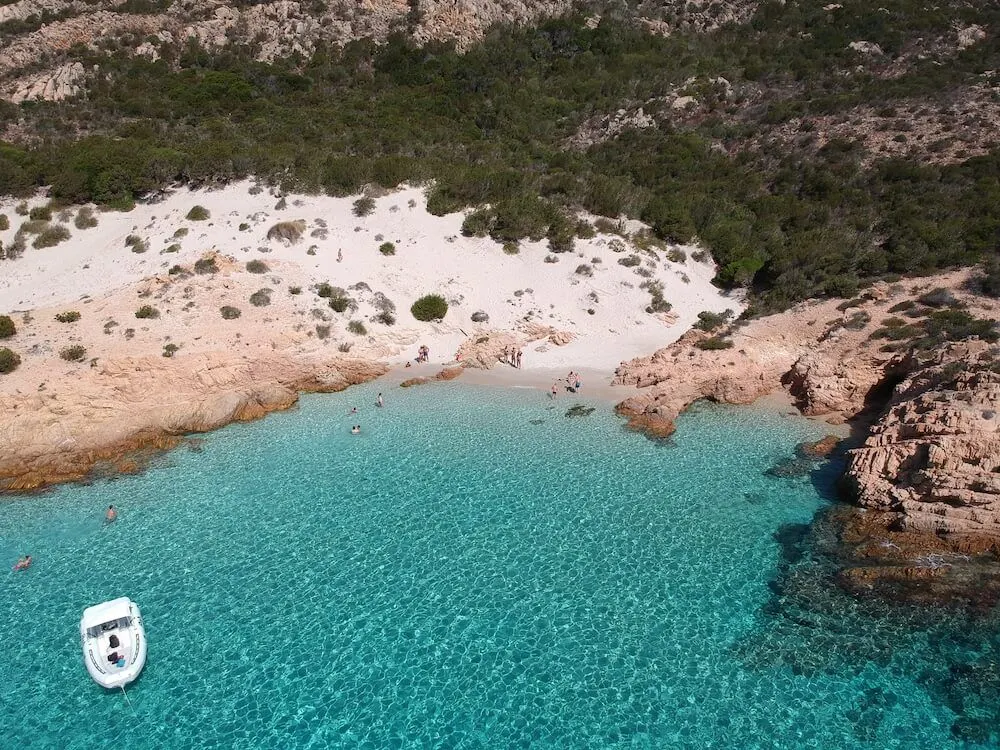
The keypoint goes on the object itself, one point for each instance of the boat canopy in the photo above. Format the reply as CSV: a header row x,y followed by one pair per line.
x,y
110,612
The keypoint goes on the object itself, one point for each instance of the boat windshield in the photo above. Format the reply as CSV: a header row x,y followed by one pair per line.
x,y
108,627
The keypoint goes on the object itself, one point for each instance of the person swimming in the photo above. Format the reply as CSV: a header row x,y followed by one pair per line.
x,y
111,516
23,563
354,410
356,429
380,401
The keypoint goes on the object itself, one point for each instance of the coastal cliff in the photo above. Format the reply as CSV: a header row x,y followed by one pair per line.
x,y
915,361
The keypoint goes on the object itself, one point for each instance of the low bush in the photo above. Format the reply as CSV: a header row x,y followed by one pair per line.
x,y
511,248
387,248
7,327
295,290
244,227
261,298
170,349
364,206
550,259
137,243
357,328
386,318
339,303
714,343
70,316
172,248
585,230
676,255
197,213
323,289
480,316
288,232
478,223
9,360
51,236
584,270
904,305
429,307
257,266
229,312
322,332
85,218
148,312
206,265
709,321
40,213
182,232
630,261
21,209
73,353
4,223
175,269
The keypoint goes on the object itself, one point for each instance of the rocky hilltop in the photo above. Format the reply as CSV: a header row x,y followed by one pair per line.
x,y
916,360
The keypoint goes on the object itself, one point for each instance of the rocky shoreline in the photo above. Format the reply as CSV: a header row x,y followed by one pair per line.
x,y
109,416
923,405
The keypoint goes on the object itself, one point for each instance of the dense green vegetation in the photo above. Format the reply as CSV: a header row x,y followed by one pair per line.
x,y
493,127
429,307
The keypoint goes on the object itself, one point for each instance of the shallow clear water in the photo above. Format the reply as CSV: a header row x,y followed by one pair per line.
x,y
476,570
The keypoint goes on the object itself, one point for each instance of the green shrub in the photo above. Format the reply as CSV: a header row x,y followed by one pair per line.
x,y
197,213
7,327
387,248
429,307
170,349
32,227
70,316
147,311
904,305
261,298
8,360
137,243
173,248
257,266
229,312
478,223
295,290
357,327
323,289
206,265
386,318
73,353
511,248
630,261
85,218
51,236
708,321
584,270
339,303
244,227
182,232
939,297
175,269
40,213
714,343
364,206
585,230
4,223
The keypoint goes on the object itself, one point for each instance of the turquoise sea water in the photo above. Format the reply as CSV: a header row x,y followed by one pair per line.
x,y
475,570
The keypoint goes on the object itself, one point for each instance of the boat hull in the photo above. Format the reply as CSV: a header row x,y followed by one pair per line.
x,y
129,643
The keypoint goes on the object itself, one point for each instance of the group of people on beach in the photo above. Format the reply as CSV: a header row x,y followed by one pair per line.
x,y
512,356
24,561
423,353
573,382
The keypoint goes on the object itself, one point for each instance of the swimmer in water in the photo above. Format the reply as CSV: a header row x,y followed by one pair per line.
x,y
354,410
111,516
380,401
356,430
23,563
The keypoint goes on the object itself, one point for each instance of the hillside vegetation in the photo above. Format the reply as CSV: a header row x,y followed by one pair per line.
x,y
746,139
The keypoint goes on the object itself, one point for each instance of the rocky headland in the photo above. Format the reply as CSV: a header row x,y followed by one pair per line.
x,y
913,368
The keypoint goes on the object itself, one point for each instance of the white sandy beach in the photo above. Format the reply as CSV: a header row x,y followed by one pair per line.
x,y
96,273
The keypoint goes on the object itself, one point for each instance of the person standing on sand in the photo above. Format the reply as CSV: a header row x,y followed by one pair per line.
x,y
518,359
340,255
555,391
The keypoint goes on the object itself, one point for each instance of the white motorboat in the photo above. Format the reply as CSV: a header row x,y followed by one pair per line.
x,y
114,642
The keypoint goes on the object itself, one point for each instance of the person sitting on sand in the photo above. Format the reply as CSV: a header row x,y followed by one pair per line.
x,y
23,563
356,430
111,516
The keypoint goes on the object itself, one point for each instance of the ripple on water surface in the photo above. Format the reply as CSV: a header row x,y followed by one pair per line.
x,y
476,569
